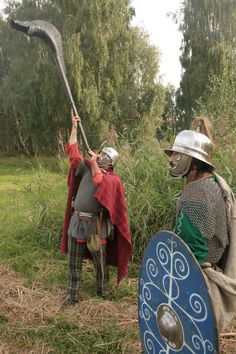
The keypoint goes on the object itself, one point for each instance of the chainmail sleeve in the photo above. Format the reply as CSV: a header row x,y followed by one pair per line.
x,y
202,201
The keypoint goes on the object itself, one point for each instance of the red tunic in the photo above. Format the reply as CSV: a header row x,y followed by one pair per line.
x,y
110,194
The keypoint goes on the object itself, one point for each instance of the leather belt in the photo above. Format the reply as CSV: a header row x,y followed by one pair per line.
x,y
86,215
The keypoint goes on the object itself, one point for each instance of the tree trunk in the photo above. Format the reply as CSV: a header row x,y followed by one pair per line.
x,y
22,142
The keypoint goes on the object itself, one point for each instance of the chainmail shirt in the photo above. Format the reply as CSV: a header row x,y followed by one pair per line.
x,y
202,201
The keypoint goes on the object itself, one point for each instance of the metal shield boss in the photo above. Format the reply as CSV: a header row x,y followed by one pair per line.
x,y
175,309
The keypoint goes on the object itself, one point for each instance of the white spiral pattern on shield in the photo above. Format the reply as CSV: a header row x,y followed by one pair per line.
x,y
174,269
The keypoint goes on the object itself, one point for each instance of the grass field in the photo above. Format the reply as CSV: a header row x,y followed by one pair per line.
x,y
33,275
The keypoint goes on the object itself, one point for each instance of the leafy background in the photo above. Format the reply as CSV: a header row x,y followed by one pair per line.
x,y
114,75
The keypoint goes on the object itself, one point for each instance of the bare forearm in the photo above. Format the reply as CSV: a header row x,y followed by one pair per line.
x,y
75,121
73,136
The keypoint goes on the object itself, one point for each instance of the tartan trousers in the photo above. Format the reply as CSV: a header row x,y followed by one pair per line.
x,y
76,257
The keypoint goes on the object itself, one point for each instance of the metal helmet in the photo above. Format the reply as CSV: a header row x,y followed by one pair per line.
x,y
112,154
191,144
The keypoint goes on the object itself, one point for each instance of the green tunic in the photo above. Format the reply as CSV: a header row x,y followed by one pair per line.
x,y
201,220
191,235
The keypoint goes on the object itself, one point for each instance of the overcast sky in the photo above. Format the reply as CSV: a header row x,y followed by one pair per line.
x,y
152,16
1,4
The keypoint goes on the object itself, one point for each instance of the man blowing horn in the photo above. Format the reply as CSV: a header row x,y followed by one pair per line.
x,y
96,223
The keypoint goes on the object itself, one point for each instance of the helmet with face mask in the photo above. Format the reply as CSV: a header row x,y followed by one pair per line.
x,y
189,144
108,154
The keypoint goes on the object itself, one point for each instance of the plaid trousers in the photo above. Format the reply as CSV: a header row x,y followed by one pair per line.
x,y
76,257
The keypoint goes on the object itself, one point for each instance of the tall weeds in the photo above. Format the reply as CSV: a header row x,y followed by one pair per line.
x,y
33,206
151,193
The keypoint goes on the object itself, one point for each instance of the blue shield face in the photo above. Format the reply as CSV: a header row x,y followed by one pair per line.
x,y
175,309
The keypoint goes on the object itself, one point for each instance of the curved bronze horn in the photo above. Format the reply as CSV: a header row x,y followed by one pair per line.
x,y
51,36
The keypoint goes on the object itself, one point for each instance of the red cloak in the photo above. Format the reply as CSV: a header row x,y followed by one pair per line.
x,y
110,194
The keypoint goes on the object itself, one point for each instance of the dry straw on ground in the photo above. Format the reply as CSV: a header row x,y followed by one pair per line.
x,y
24,308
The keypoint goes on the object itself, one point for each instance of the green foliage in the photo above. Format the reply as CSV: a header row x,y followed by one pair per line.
x,y
219,103
223,157
32,202
209,31
35,199
111,68
33,196
169,114
151,193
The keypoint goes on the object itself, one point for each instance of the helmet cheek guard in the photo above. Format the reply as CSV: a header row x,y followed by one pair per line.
x,y
112,154
179,165
103,160
191,144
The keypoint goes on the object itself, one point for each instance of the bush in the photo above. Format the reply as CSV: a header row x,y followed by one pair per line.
x,y
151,192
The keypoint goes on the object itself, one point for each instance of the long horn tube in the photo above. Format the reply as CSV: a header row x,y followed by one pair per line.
x,y
51,36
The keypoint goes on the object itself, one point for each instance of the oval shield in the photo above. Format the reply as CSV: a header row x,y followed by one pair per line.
x,y
175,309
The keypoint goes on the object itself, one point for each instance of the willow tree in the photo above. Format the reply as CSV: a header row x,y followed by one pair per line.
x,y
209,30
111,67
31,98
118,77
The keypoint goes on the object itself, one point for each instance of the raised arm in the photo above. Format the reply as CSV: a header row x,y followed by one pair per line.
x,y
72,147
73,135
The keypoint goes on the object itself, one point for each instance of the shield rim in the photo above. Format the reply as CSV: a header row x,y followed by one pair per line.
x,y
214,324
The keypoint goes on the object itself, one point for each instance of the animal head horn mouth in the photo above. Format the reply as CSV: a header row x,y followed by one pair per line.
x,y
20,26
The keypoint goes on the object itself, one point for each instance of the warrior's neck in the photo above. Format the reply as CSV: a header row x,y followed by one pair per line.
x,y
195,175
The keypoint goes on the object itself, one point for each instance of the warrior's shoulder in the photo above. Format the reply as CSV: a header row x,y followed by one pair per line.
x,y
113,180
204,188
